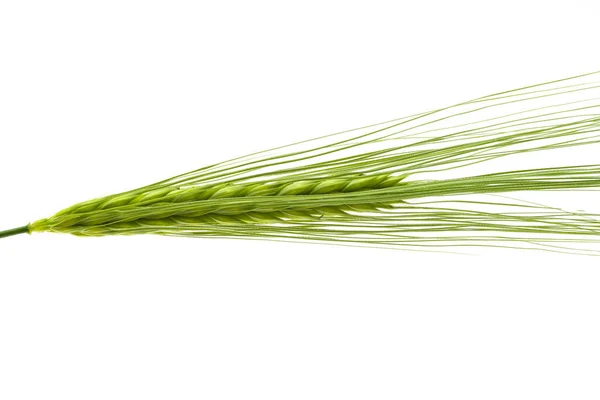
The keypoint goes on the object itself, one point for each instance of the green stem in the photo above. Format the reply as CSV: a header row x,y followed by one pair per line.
x,y
15,231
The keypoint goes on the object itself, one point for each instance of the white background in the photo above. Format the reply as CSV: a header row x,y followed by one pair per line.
x,y
100,97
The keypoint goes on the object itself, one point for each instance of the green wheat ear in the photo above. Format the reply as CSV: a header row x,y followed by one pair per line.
x,y
410,183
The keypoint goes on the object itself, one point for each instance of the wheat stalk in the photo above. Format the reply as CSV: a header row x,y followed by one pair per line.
x,y
381,185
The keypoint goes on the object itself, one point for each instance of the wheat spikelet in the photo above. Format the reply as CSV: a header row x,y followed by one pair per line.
x,y
146,206
226,190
